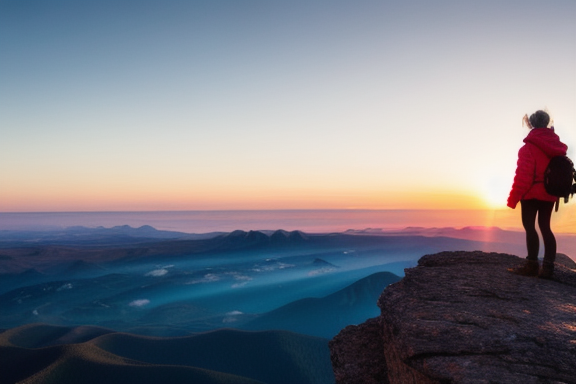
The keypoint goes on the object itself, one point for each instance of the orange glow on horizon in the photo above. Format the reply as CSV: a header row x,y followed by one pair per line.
x,y
148,199
458,210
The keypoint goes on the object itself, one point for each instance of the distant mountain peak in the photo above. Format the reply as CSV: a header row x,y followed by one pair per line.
x,y
298,235
256,236
323,263
240,238
287,237
237,233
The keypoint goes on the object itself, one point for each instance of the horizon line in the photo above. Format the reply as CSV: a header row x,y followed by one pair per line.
x,y
261,210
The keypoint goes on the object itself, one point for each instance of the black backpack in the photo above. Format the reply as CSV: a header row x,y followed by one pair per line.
x,y
558,178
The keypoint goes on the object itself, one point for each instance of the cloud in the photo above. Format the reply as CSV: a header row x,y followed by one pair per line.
x,y
242,280
242,277
161,271
230,316
321,271
65,286
157,272
208,278
139,303
234,313
271,267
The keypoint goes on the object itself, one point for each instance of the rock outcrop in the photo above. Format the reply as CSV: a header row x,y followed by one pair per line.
x,y
462,317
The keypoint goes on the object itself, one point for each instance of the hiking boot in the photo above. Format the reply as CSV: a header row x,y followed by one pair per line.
x,y
546,271
530,268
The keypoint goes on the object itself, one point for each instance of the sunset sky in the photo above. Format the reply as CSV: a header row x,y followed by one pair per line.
x,y
190,105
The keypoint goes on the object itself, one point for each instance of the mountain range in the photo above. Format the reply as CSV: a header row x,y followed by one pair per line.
x,y
244,306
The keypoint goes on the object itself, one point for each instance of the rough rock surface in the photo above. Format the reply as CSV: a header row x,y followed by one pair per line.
x,y
462,317
364,344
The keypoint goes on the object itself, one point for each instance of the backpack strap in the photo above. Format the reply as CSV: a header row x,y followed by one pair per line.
x,y
535,167
557,205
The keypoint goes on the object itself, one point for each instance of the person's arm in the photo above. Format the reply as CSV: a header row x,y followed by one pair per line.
x,y
524,178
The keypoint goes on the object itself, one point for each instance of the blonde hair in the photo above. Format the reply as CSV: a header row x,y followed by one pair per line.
x,y
526,122
539,119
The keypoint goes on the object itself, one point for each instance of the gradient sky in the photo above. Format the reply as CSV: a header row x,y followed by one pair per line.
x,y
170,105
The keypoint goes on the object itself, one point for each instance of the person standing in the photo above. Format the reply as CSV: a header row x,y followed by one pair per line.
x,y
540,145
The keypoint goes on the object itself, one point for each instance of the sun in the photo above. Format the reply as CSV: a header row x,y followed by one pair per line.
x,y
495,194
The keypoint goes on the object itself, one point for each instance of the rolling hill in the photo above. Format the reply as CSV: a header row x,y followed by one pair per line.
x,y
33,354
326,316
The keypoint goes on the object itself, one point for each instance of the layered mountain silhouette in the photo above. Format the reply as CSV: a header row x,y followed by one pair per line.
x,y
184,285
326,316
78,235
136,305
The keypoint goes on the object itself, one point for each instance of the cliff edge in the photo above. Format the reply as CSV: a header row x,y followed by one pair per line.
x,y
461,317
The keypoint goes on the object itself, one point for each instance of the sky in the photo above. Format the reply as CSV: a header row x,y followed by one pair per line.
x,y
120,105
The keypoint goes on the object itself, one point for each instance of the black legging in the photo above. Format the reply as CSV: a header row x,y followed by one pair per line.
x,y
544,210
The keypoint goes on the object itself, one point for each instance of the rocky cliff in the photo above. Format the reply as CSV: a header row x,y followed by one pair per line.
x,y
461,317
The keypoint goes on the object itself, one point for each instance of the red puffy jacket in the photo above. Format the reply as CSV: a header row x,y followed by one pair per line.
x,y
541,144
